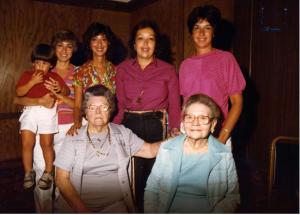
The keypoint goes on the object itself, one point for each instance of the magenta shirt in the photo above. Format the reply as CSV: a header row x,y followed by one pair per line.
x,y
154,88
216,74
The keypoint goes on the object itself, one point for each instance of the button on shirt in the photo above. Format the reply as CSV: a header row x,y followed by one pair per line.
x,y
154,88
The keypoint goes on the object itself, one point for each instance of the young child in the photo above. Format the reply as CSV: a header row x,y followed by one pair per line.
x,y
38,119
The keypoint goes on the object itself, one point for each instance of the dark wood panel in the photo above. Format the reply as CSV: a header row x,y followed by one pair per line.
x,y
10,145
275,70
24,23
104,4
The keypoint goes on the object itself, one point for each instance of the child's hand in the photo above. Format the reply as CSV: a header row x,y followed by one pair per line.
x,y
37,77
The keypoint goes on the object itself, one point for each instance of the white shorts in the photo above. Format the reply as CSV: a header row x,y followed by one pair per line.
x,y
39,120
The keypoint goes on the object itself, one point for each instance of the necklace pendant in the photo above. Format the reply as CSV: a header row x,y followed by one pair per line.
x,y
139,100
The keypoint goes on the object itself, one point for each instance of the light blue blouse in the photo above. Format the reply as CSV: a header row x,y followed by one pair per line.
x,y
191,193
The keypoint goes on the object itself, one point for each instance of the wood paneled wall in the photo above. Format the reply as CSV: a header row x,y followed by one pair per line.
x,y
267,47
171,16
23,24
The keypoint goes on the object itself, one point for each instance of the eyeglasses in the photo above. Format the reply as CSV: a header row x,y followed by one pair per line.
x,y
203,120
103,108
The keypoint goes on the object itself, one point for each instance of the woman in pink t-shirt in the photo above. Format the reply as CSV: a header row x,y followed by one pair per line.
x,y
212,71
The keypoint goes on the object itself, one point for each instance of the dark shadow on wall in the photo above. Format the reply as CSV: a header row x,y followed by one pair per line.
x,y
224,35
252,181
165,49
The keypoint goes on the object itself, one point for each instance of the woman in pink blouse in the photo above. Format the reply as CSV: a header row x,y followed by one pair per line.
x,y
212,71
147,91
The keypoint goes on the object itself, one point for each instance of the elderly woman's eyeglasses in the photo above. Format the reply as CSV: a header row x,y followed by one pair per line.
x,y
103,108
203,120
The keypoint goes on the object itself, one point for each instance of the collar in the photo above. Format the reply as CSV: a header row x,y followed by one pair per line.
x,y
154,62
214,145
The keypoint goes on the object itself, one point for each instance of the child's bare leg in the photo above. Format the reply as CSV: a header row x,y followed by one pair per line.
x,y
46,141
28,141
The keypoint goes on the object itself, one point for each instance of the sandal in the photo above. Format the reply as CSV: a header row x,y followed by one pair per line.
x,y
29,179
45,181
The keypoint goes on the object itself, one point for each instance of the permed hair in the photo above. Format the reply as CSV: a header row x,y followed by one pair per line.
x,y
94,30
206,12
98,90
65,36
43,52
205,100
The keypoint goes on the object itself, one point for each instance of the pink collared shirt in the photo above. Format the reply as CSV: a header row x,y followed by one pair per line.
x,y
154,88
216,74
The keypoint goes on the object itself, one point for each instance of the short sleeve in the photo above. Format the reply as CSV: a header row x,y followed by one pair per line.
x,y
77,80
132,141
66,155
234,76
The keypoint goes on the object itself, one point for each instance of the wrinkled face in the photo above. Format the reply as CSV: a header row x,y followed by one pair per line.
x,y
41,65
64,51
145,43
99,45
97,111
203,34
198,121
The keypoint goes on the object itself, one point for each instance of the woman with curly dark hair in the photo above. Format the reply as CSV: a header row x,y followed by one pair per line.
x,y
99,45
148,96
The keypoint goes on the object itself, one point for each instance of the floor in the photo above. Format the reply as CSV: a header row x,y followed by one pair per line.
x,y
253,190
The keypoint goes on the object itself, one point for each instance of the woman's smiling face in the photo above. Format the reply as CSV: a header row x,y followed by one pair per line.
x,y
198,122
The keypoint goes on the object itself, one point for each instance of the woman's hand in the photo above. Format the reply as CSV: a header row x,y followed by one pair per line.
x,y
53,86
73,130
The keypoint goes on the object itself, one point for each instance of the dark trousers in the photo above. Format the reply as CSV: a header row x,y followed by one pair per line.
x,y
149,127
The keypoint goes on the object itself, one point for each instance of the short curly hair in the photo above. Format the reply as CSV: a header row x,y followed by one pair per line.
x,y
98,90
63,36
206,12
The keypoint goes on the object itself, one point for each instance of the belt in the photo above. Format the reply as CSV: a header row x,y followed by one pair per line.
x,y
163,120
145,111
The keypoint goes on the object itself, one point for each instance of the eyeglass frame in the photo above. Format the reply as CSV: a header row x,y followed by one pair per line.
x,y
210,119
102,108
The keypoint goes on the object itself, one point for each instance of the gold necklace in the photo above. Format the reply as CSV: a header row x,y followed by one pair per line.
x,y
100,153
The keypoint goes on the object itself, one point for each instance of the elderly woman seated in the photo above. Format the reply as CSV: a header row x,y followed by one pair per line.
x,y
93,167
194,172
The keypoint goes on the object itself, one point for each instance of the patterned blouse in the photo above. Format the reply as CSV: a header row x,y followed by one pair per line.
x,y
87,76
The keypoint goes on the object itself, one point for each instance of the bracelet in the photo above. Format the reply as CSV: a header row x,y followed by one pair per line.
x,y
226,130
